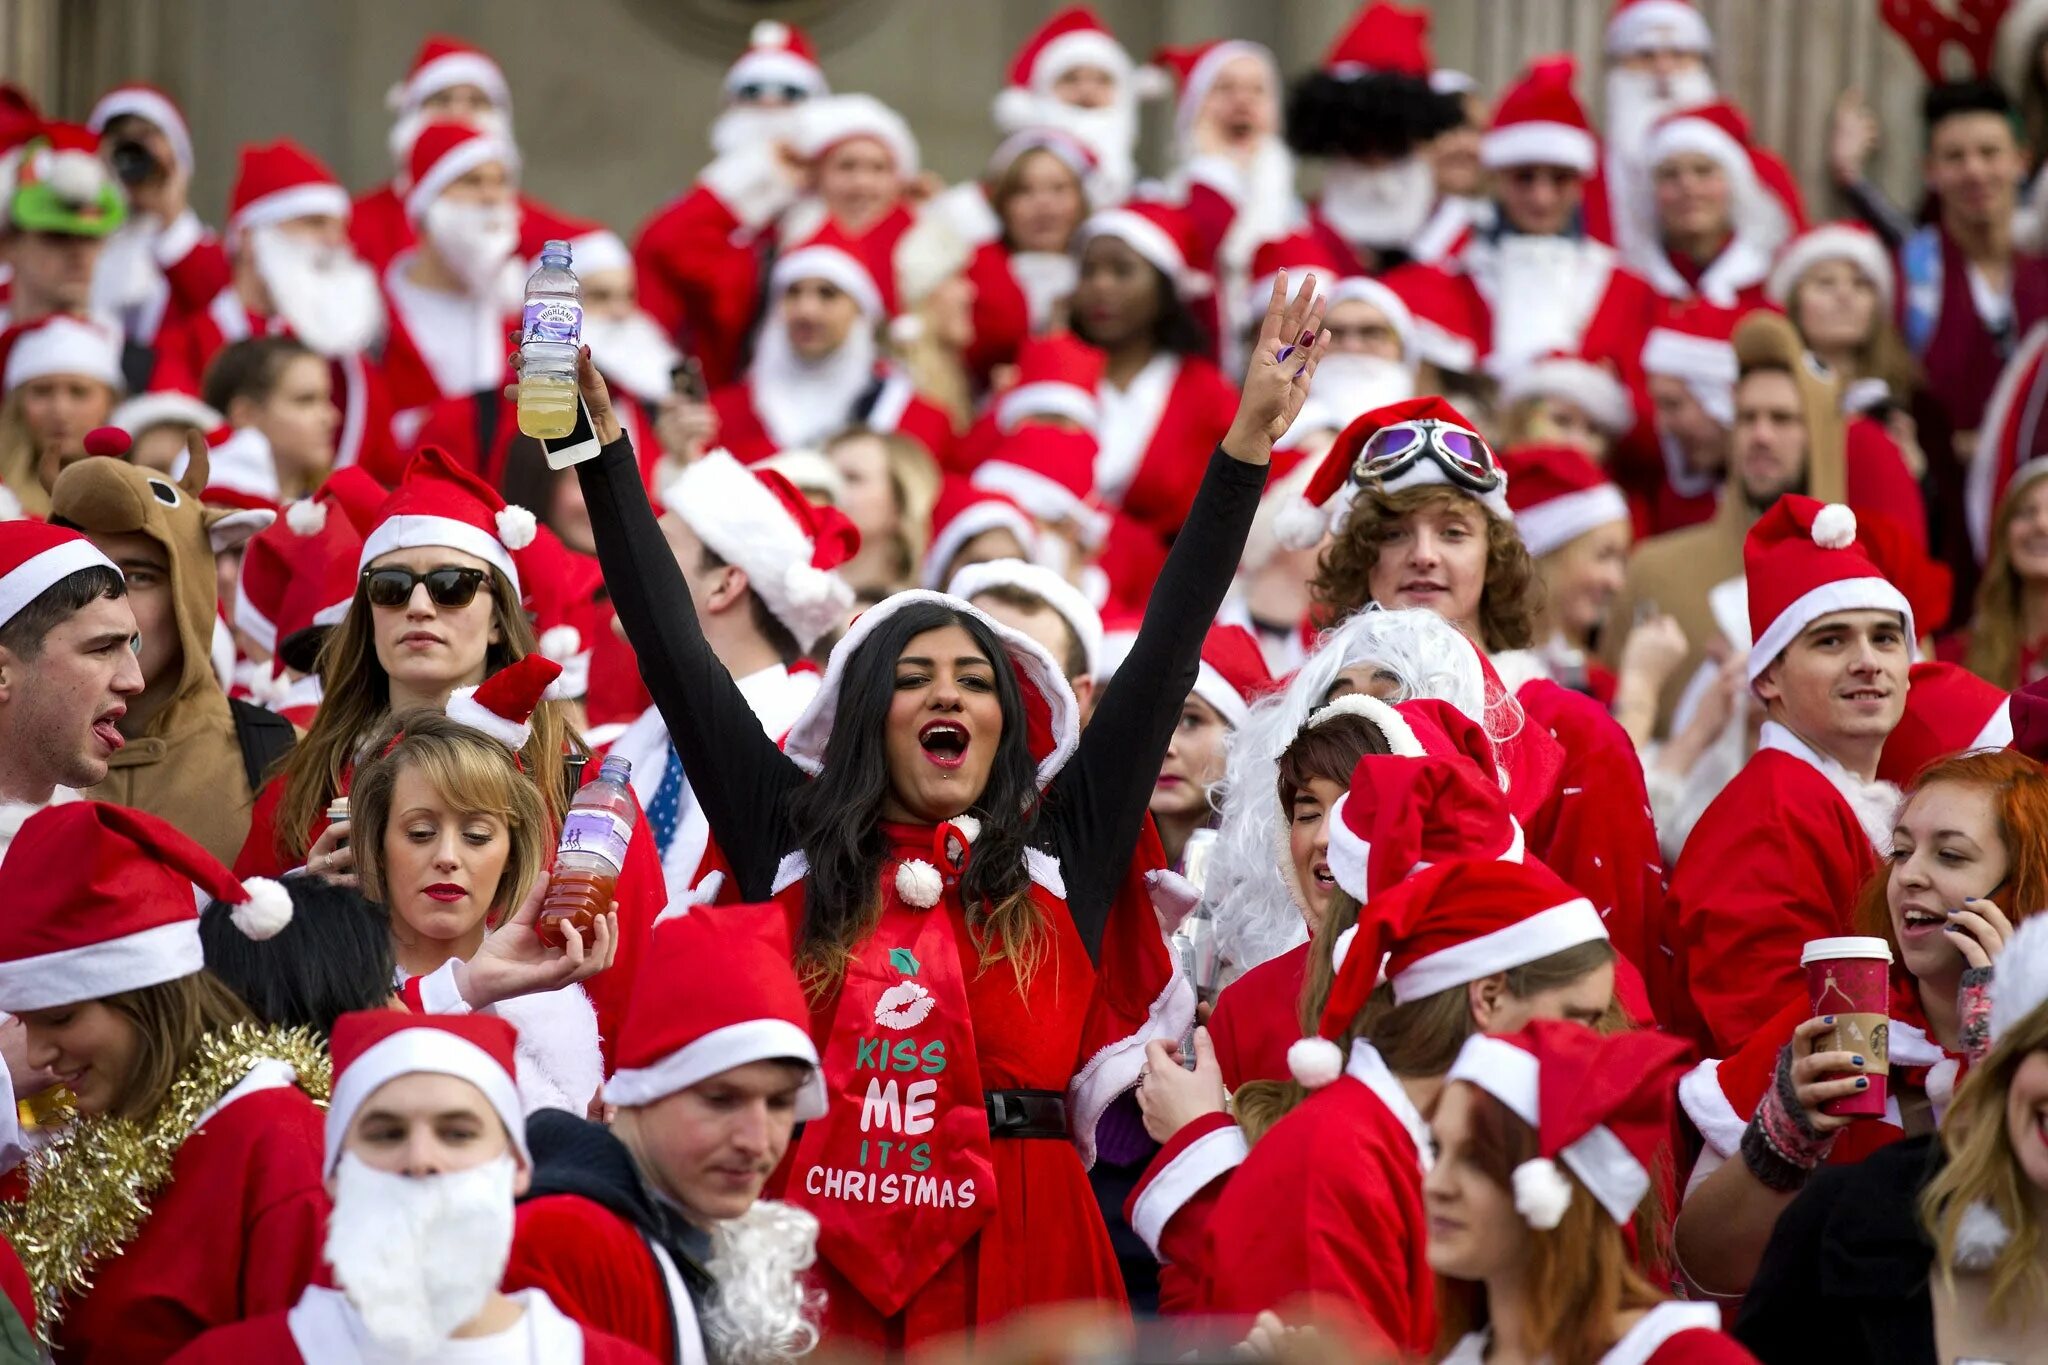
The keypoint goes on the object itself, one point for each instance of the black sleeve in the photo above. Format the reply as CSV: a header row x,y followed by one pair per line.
x,y
1874,208
1783,1318
736,770
1096,806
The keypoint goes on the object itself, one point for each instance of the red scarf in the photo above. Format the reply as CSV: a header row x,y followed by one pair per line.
x,y
900,1172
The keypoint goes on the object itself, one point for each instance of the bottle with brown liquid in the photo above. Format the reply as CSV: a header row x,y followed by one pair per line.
x,y
595,834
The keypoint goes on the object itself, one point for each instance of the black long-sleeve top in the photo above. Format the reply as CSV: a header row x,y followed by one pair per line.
x,y
1094,809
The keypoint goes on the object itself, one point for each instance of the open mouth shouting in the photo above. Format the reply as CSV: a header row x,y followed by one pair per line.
x,y
944,742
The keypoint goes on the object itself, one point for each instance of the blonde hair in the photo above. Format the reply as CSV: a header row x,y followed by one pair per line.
x,y
169,1020
18,458
914,480
358,700
1983,1172
1994,650
473,773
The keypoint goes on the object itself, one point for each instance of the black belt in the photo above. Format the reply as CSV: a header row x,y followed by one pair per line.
x,y
1026,1113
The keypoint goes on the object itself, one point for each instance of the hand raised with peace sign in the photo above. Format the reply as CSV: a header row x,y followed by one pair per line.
x,y
1283,360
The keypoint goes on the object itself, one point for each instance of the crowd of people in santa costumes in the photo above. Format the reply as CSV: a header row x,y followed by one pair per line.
x,y
1263,741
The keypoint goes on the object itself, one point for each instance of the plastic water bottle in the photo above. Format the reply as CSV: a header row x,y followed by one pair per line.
x,y
550,333
593,850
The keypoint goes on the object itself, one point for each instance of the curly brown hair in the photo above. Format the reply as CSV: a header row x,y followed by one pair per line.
x,y
1508,605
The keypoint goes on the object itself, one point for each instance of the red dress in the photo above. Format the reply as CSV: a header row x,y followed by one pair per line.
x,y
234,1233
1258,1017
1002,314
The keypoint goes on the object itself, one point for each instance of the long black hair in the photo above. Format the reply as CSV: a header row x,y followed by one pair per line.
x,y
1175,328
838,814
334,956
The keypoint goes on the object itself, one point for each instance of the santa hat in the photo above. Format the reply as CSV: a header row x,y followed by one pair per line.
x,y
1326,506
373,1047
1587,384
153,107
1851,242
36,556
1949,710
101,899
1194,69
1720,132
279,181
1559,495
1297,253
1072,38
1402,814
777,54
1072,606
963,512
241,471
1541,123
1050,473
1233,673
1445,926
2021,984
444,153
298,574
749,1008
756,520
439,503
560,599
1382,39
163,407
63,344
61,185
503,704
823,124
1641,26
1697,347
831,256
1057,376
1599,1103
443,63
1075,154
1052,718
1802,562
1164,236
357,495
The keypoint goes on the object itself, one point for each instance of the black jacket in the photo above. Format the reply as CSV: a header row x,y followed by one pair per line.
x,y
1845,1278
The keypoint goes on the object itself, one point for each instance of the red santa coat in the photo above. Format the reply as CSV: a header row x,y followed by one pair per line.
x,y
409,379
897,408
1326,1212
1002,313
1671,1333
321,1329
379,229
190,339
1184,420
599,1269
1777,859
235,1232
1257,1018
1611,327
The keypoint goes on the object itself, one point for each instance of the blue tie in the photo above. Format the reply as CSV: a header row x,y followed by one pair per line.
x,y
667,807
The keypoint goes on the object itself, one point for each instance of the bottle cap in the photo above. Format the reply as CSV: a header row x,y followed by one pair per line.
x,y
617,768
555,247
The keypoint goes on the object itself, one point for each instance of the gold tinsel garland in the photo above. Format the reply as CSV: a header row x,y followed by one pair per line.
x,y
89,1190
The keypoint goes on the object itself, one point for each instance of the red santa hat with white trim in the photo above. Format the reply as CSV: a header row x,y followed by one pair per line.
x,y
1401,815
1851,242
241,470
152,106
1297,253
777,54
1162,234
964,512
35,557
1721,133
561,591
1600,1105
1540,122
442,63
279,181
1233,672
790,547
445,152
1638,27
1074,37
103,899
1050,473
503,704
1802,562
1326,506
831,256
1382,39
439,503
823,124
1587,384
751,1008
1558,495
1949,711
298,573
372,1048
62,344
1057,376
1444,927
1194,68
1055,591
1696,346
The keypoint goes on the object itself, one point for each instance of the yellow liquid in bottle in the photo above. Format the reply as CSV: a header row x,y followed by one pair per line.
x,y
547,407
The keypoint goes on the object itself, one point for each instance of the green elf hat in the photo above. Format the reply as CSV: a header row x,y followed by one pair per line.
x,y
61,185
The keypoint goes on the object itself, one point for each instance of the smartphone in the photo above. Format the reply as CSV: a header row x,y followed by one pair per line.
x,y
579,445
687,379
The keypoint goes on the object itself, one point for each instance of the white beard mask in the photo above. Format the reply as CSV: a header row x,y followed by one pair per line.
x,y
633,353
325,294
1382,206
406,131
1110,133
419,1256
1046,277
1637,99
127,276
802,402
1346,387
762,1312
743,126
476,241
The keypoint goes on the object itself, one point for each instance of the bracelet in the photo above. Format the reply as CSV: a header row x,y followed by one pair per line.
x,y
1772,1170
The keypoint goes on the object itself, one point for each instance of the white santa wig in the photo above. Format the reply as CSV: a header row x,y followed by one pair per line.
x,y
763,1313
1247,890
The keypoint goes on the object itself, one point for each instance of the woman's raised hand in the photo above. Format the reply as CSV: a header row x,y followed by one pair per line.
x,y
597,396
330,857
1276,379
515,960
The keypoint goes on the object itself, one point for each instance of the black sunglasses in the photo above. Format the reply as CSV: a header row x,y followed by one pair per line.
x,y
448,587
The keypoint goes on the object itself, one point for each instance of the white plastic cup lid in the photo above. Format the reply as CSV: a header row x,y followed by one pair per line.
x,y
1847,946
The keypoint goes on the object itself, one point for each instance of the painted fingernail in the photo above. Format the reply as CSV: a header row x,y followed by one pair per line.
x,y
1863,1082
1857,1060
1950,929
1285,351
1829,1020
1307,339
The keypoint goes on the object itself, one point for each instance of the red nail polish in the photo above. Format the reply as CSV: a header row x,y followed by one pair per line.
x,y
1307,339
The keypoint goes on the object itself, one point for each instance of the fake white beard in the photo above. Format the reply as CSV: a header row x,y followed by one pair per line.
x,y
1046,277
418,1256
1537,287
740,126
1266,206
1110,133
1349,385
1637,99
406,131
633,353
800,402
326,295
127,275
1381,206
476,241
762,1312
